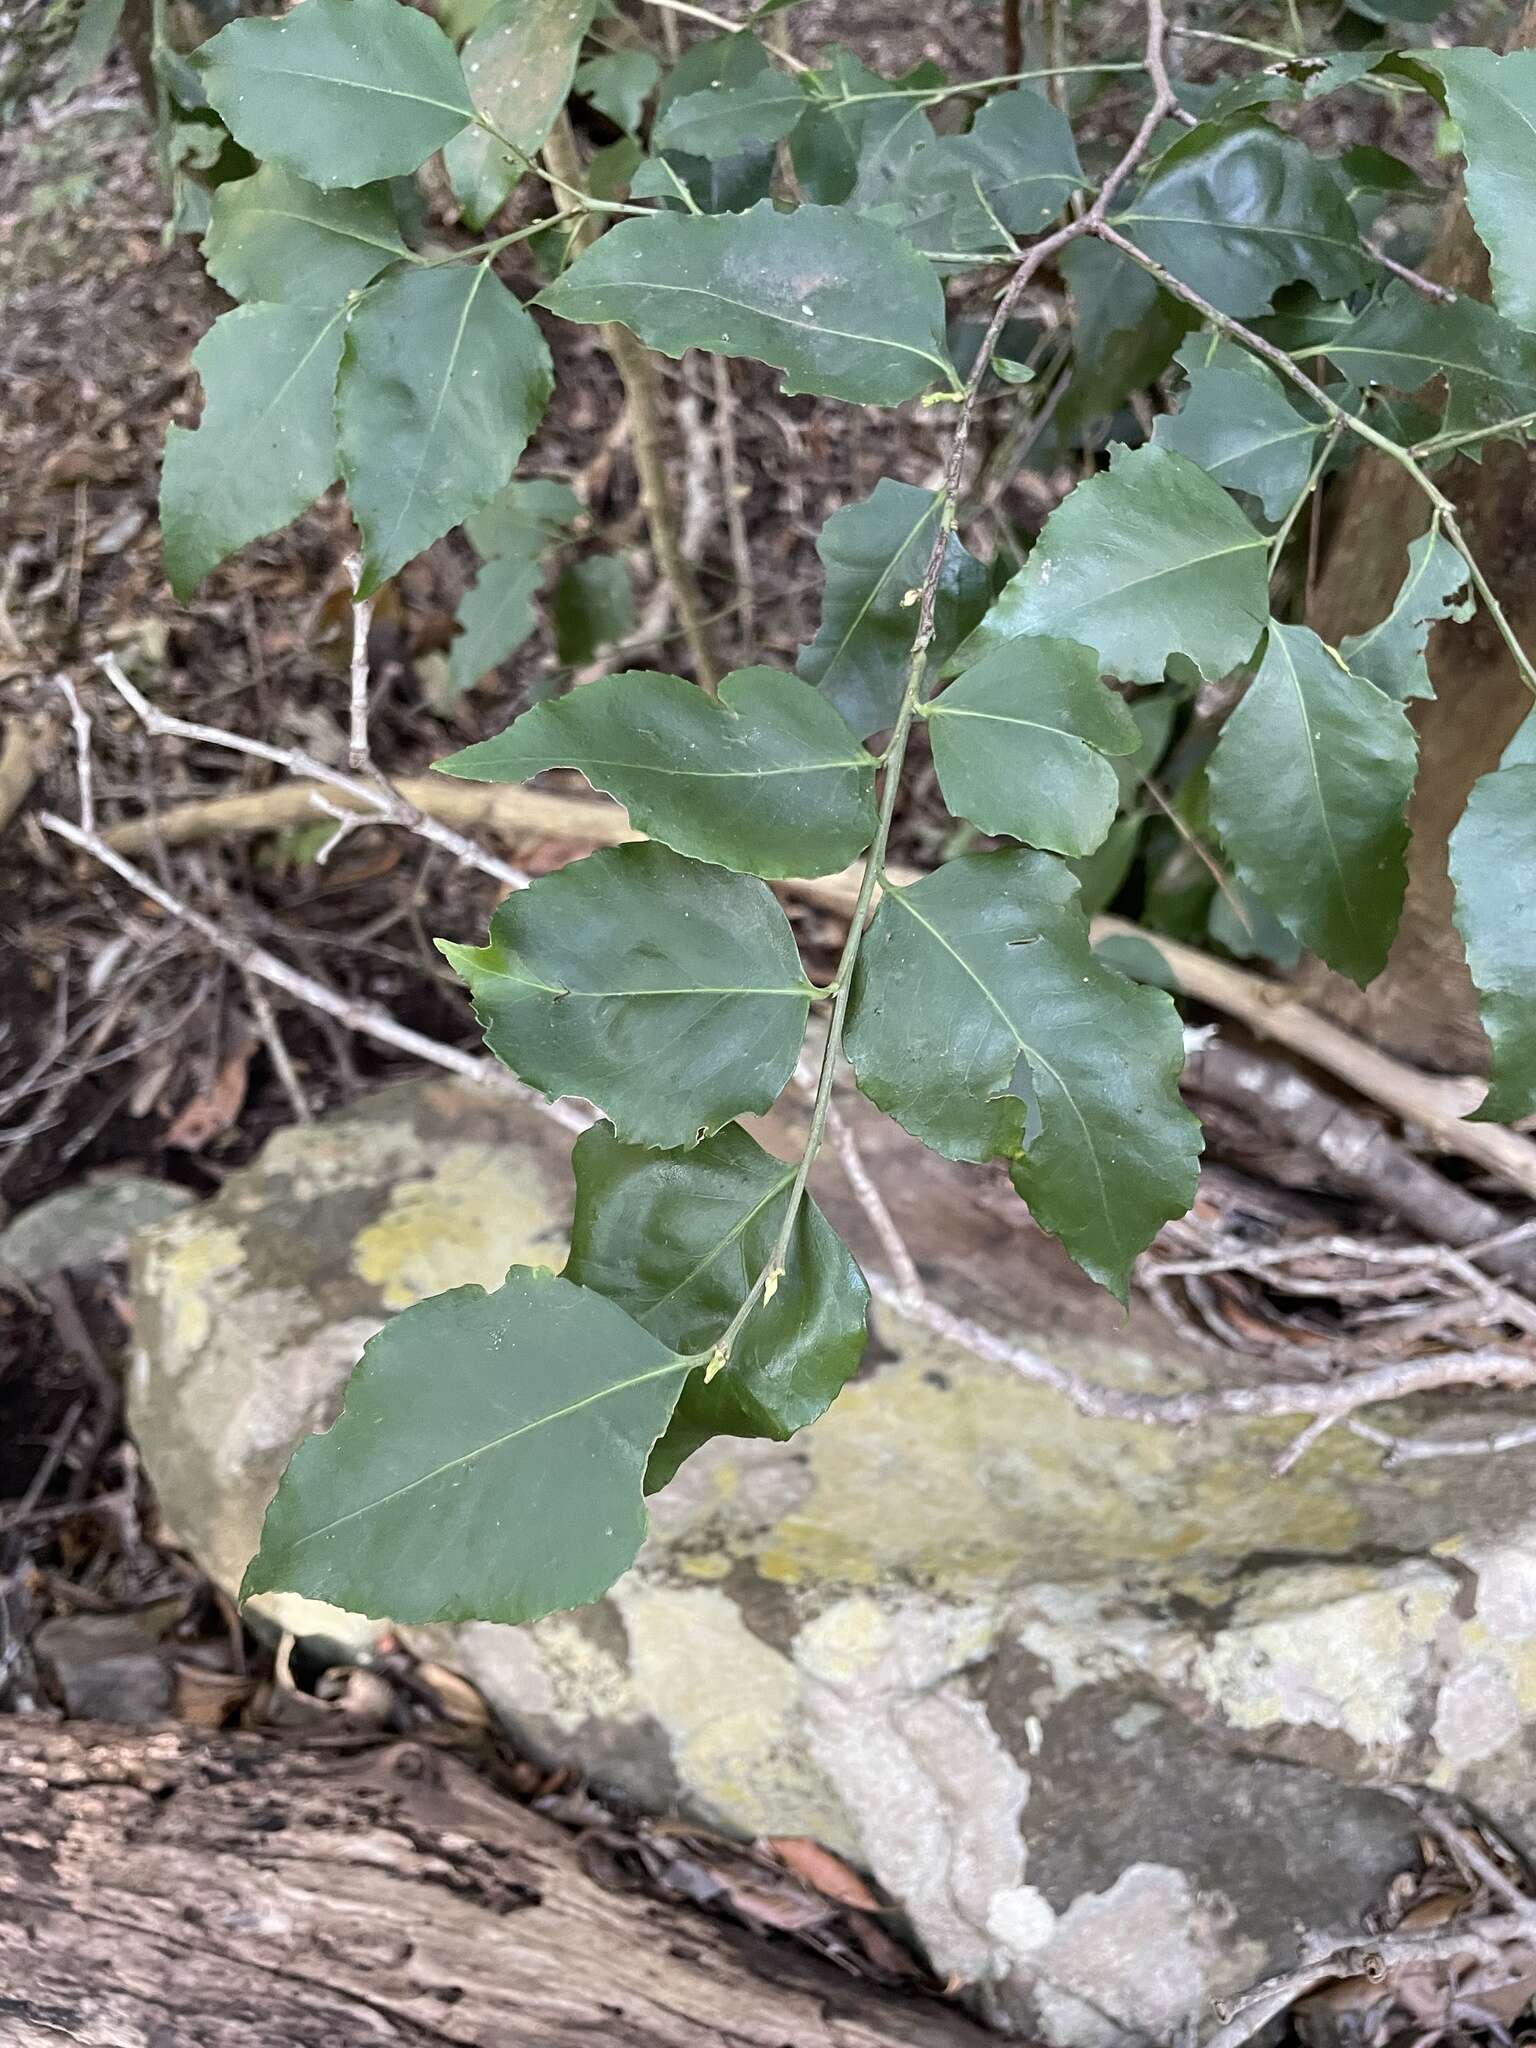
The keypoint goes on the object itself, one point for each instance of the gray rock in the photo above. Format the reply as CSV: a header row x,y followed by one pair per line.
x,y
1103,1707
81,1224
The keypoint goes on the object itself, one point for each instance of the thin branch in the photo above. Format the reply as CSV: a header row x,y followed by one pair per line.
x,y
1442,293
374,794
366,1018
79,718
358,756
734,492
721,22
643,396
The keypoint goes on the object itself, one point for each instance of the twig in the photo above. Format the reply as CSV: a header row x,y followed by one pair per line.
x,y
1475,1940
358,757
366,1018
1420,283
1412,1450
909,1286
1473,1859
734,492
375,794
642,391
277,1050
79,718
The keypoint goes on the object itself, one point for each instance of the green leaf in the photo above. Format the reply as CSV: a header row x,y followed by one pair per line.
x,y
618,85
758,106
1125,332
529,516
495,618
487,1465
1403,340
1308,785
853,139
667,992
1019,745
729,184
676,1240
594,606
1237,210
766,778
1493,869
94,34
343,92
874,554
277,237
443,380
1493,102
266,447
982,1022
845,307
1147,560
1391,653
1017,163
1237,424
519,63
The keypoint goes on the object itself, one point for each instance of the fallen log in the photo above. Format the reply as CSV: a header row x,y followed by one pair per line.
x,y
171,1888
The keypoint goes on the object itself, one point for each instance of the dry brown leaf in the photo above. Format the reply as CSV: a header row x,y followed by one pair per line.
x,y
454,1697
208,1698
822,1871
210,1114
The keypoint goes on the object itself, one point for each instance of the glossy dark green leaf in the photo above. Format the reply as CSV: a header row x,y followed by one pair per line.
x,y
1493,102
667,992
1391,653
519,63
1237,210
677,1239
618,84
443,380
845,307
1147,560
757,104
1308,783
494,619
1237,424
343,92
982,1022
1403,340
277,237
1493,868
874,554
1371,179
487,1465
766,778
594,606
529,516
1019,745
1014,170
727,184
266,447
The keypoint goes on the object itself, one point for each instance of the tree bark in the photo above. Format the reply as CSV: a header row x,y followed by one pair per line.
x,y
168,1888
1422,1006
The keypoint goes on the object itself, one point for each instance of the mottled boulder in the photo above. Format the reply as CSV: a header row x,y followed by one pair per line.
x,y
1102,1706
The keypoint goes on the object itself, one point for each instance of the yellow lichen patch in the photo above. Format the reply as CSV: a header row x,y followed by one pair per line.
x,y
483,1210
180,1272
945,1471
730,1706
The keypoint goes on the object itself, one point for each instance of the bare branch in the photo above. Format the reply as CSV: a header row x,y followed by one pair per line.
x,y
358,757
373,793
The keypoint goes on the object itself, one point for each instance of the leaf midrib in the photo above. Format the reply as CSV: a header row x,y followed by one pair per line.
x,y
558,1415
246,69
717,298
